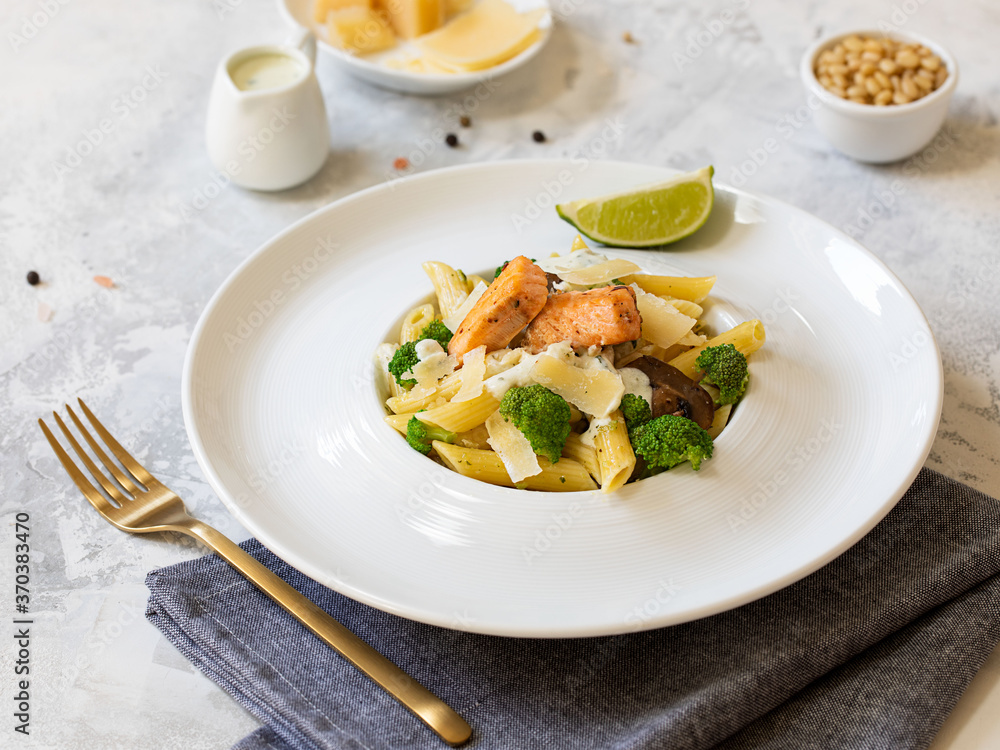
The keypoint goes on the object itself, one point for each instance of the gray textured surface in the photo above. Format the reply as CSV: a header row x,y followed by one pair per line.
x,y
104,678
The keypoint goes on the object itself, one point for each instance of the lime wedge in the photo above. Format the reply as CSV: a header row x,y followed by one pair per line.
x,y
647,216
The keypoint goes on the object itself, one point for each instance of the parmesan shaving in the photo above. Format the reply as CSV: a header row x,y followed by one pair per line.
x,y
573,261
662,323
472,373
427,372
512,447
454,320
600,273
596,392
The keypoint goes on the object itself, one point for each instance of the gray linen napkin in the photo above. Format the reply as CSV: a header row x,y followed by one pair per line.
x,y
872,651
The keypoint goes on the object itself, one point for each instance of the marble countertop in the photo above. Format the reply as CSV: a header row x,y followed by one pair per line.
x,y
693,89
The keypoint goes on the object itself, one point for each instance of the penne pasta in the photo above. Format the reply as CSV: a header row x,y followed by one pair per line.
x,y
415,321
408,402
694,288
747,337
614,453
451,286
686,306
565,476
474,279
459,417
585,454
398,422
719,422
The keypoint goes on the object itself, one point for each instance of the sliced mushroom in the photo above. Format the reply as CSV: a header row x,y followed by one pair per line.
x,y
675,393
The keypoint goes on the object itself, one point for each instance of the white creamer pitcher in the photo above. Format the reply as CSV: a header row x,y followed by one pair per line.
x,y
267,127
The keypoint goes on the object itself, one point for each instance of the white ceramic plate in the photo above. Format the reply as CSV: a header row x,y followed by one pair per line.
x,y
285,418
373,69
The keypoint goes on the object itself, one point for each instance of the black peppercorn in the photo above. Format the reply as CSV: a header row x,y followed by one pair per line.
x,y
451,139
33,277
538,136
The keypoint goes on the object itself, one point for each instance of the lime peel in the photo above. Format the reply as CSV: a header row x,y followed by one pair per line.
x,y
647,216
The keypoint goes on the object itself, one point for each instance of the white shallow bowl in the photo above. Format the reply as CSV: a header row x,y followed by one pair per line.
x,y
284,414
878,135
372,68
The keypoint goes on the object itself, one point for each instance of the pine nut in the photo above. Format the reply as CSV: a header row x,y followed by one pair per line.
x,y
879,71
888,66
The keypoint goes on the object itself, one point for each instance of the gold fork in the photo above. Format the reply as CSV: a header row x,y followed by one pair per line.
x,y
157,508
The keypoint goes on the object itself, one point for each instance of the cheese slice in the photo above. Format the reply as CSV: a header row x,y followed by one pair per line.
x,y
472,373
662,323
487,35
600,273
592,391
427,372
322,7
454,320
359,30
512,447
412,18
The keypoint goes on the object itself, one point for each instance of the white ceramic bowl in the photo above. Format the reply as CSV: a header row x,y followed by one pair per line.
x,y
878,134
372,68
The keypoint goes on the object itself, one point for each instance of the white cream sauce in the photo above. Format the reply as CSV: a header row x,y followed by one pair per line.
x,y
267,71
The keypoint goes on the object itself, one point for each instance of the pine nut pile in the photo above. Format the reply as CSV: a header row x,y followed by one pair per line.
x,y
880,71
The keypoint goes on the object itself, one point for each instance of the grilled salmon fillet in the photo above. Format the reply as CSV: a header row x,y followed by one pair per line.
x,y
515,297
598,317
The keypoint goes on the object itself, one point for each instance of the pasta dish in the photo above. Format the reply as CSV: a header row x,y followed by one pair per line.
x,y
569,373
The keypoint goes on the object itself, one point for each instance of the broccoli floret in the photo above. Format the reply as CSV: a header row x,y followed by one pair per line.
x,y
420,435
636,411
670,440
437,331
541,415
403,361
725,367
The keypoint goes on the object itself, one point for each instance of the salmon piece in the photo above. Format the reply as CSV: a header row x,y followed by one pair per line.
x,y
597,317
515,297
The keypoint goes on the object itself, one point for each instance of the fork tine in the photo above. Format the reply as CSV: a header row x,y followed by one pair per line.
x,y
100,503
106,483
110,465
137,470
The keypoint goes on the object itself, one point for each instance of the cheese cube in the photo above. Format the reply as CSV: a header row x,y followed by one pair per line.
x,y
454,7
411,18
487,35
359,30
322,7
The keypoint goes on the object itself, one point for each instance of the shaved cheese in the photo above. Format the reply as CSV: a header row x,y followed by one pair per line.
x,y
489,33
512,447
427,347
427,372
472,373
454,320
600,273
692,339
595,392
573,261
662,323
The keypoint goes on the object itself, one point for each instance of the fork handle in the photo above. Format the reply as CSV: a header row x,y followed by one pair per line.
x,y
430,709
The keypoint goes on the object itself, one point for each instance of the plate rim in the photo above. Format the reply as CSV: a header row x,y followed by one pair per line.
x,y
422,615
